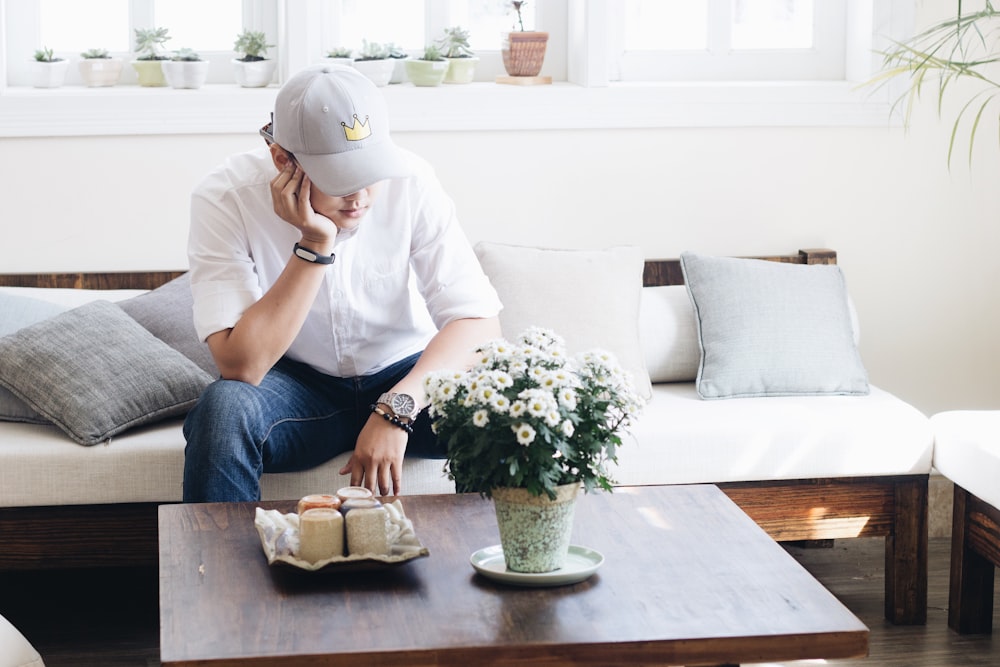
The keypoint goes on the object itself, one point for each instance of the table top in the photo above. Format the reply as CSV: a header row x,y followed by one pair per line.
x,y
688,578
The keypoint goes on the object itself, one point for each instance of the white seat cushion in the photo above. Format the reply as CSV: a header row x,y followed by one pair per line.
x,y
967,450
683,439
15,651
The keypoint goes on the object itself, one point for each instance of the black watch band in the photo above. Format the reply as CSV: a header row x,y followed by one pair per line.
x,y
310,256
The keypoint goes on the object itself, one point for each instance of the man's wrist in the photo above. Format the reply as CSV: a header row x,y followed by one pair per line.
x,y
312,255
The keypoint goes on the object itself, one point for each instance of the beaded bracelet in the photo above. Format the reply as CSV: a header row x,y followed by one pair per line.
x,y
391,418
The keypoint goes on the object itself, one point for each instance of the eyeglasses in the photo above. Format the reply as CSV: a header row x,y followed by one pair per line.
x,y
268,133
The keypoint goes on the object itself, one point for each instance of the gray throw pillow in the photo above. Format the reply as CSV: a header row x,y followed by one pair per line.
x,y
17,312
95,372
772,329
167,312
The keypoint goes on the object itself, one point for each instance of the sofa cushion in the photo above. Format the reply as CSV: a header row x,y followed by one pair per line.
x,y
967,450
17,312
95,372
772,329
589,297
669,334
167,313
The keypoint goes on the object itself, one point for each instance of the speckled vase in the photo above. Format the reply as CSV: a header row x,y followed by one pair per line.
x,y
534,530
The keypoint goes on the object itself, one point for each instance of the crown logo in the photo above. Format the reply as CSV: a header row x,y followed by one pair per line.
x,y
360,130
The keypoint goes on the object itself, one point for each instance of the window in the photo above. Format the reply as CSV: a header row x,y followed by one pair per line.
x,y
734,40
70,27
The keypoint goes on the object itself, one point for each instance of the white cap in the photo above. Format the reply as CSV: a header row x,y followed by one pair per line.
x,y
334,121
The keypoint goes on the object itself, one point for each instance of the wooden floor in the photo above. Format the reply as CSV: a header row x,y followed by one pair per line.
x,y
109,619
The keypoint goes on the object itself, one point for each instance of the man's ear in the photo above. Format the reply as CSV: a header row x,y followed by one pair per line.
x,y
279,156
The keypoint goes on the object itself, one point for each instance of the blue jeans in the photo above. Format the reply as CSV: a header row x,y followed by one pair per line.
x,y
296,419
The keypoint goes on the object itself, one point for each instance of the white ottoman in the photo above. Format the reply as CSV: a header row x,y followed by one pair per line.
x,y
967,451
15,651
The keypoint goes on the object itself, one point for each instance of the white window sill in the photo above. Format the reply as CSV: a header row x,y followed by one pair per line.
x,y
131,110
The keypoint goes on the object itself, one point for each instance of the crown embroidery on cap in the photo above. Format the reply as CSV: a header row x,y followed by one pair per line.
x,y
360,130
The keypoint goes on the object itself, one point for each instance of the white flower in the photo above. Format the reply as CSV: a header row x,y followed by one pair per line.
x,y
500,403
517,408
567,428
567,399
481,418
552,418
525,434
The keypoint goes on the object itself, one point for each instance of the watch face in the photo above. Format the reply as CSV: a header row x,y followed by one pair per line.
x,y
403,405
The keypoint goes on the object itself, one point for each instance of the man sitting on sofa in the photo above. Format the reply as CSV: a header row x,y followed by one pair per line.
x,y
330,275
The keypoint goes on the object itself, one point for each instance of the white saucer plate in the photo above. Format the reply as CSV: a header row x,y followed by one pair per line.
x,y
581,562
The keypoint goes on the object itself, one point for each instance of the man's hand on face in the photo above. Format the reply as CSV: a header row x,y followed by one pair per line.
x,y
290,191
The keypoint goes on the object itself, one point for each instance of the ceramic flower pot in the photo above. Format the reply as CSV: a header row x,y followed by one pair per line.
x,y
150,73
523,52
398,70
426,72
461,70
185,74
535,530
48,74
254,73
100,72
379,71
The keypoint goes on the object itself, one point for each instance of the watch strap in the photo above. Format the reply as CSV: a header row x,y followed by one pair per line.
x,y
313,257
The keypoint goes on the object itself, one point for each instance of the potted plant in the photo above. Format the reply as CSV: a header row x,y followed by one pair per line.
x,y
48,70
528,425
148,61
373,61
399,57
960,48
253,68
186,69
523,50
99,69
461,59
341,55
428,70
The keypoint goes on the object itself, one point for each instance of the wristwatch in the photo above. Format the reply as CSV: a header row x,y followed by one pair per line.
x,y
402,405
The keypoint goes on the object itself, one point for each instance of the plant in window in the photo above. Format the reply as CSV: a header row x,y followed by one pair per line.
x,y
48,70
253,69
253,45
186,69
148,43
455,46
98,69
960,48
397,54
523,50
373,61
339,52
45,55
428,70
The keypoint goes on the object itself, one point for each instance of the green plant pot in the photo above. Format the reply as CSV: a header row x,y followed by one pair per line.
x,y
534,530
426,72
461,70
150,73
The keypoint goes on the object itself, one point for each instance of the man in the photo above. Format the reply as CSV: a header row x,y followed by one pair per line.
x,y
329,275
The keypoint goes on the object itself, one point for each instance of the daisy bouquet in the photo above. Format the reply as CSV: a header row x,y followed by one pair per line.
x,y
527,415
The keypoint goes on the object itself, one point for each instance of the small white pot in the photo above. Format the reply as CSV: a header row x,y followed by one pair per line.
x,y
254,73
379,71
100,72
398,70
49,75
185,74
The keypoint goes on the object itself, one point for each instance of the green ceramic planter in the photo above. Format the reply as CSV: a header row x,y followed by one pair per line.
x,y
150,72
534,530
426,72
461,70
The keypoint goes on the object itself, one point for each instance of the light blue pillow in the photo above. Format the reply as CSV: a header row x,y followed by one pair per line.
x,y
17,312
772,329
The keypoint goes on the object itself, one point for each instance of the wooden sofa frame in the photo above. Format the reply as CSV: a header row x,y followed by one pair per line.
x,y
791,510
975,555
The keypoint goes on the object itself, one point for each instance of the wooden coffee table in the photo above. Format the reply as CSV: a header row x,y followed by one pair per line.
x,y
688,579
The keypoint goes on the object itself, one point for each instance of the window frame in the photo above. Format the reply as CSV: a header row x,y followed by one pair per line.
x,y
587,99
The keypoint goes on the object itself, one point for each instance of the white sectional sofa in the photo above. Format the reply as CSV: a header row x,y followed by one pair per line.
x,y
805,467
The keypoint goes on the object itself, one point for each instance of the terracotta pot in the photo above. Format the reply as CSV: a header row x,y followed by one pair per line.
x,y
535,530
524,52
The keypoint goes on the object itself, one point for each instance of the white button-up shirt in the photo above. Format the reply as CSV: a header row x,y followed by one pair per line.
x,y
406,270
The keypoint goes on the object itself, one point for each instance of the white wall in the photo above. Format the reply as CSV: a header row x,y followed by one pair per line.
x,y
917,241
